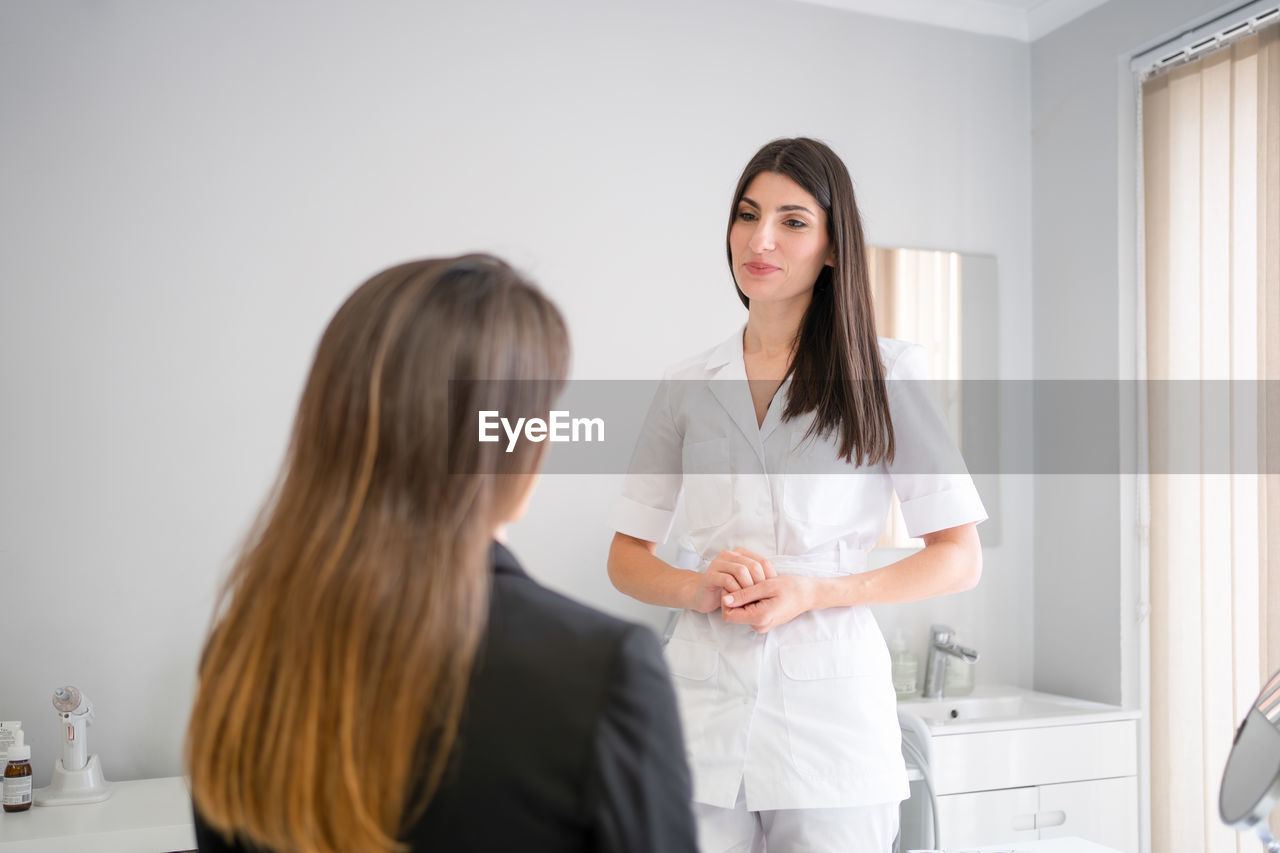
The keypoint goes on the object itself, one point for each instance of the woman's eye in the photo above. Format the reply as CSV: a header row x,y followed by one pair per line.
x,y
746,216
796,223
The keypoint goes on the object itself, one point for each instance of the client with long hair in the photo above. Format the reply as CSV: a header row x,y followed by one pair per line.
x,y
381,674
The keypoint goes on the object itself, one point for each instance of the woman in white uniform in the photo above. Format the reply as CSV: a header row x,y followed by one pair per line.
x,y
787,441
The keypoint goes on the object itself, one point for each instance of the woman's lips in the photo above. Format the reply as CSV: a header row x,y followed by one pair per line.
x,y
756,268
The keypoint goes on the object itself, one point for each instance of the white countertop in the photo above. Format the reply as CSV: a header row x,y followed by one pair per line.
x,y
146,816
1000,708
1055,845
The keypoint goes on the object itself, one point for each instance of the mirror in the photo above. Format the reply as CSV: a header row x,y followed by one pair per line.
x,y
1251,780
947,302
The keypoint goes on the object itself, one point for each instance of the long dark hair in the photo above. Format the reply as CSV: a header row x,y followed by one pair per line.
x,y
836,369
333,680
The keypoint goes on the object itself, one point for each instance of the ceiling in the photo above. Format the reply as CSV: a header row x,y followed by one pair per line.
x,y
1025,20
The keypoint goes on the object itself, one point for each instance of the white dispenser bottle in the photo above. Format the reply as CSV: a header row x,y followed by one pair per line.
x,y
905,666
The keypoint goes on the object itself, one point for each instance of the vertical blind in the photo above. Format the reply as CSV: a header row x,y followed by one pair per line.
x,y
1211,210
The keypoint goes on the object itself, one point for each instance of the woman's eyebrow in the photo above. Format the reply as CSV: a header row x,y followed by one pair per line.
x,y
786,208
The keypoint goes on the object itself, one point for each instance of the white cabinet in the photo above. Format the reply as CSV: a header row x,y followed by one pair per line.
x,y
971,820
1080,781
1012,765
1017,758
1104,811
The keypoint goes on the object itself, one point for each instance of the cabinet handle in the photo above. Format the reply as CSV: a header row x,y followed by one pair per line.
x,y
1048,819
1024,822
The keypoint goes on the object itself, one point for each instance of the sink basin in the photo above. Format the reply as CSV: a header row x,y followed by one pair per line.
x,y
992,708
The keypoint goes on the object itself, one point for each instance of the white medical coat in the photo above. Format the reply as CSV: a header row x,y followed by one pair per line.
x,y
804,715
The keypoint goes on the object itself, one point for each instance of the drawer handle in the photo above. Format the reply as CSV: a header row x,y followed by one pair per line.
x,y
1024,822
1048,819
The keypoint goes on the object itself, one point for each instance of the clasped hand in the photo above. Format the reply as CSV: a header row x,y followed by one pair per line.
x,y
750,592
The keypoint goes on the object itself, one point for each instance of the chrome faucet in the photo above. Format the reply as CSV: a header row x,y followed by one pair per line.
x,y
942,645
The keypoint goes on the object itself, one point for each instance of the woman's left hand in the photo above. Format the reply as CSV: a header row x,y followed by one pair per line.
x,y
769,603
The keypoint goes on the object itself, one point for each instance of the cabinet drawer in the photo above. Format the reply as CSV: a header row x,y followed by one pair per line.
x,y
1018,758
1104,811
989,817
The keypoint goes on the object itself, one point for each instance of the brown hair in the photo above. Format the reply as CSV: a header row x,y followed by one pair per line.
x,y
836,369
333,679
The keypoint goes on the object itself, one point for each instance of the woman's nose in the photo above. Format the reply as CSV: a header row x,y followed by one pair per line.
x,y
761,239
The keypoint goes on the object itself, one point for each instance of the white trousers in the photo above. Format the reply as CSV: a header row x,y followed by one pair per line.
x,y
862,829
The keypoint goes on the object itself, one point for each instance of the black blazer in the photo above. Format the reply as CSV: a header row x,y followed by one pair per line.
x,y
570,739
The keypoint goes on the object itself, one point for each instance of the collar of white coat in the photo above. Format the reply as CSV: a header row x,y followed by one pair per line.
x,y
731,353
726,362
728,352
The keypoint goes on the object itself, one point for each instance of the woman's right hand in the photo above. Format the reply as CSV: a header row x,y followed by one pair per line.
x,y
730,571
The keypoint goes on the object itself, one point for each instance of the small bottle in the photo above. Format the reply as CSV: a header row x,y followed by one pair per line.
x,y
8,731
17,777
905,668
959,680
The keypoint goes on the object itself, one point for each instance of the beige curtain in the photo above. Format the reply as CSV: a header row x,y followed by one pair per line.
x,y
916,293
1211,207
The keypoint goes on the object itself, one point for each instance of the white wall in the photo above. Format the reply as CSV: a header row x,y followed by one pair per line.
x,y
1083,148
189,190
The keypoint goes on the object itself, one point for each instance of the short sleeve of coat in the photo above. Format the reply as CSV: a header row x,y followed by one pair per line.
x,y
647,506
929,475
642,797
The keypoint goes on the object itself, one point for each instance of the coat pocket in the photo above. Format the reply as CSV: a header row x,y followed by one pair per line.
x,y
818,487
695,661
822,500
839,704
827,659
693,667
708,483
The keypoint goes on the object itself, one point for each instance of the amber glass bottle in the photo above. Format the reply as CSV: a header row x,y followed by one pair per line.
x,y
17,779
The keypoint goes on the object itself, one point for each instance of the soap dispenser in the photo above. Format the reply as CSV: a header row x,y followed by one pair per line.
x,y
905,667
959,678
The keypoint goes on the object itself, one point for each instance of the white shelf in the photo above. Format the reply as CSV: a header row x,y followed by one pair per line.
x,y
1057,845
146,816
